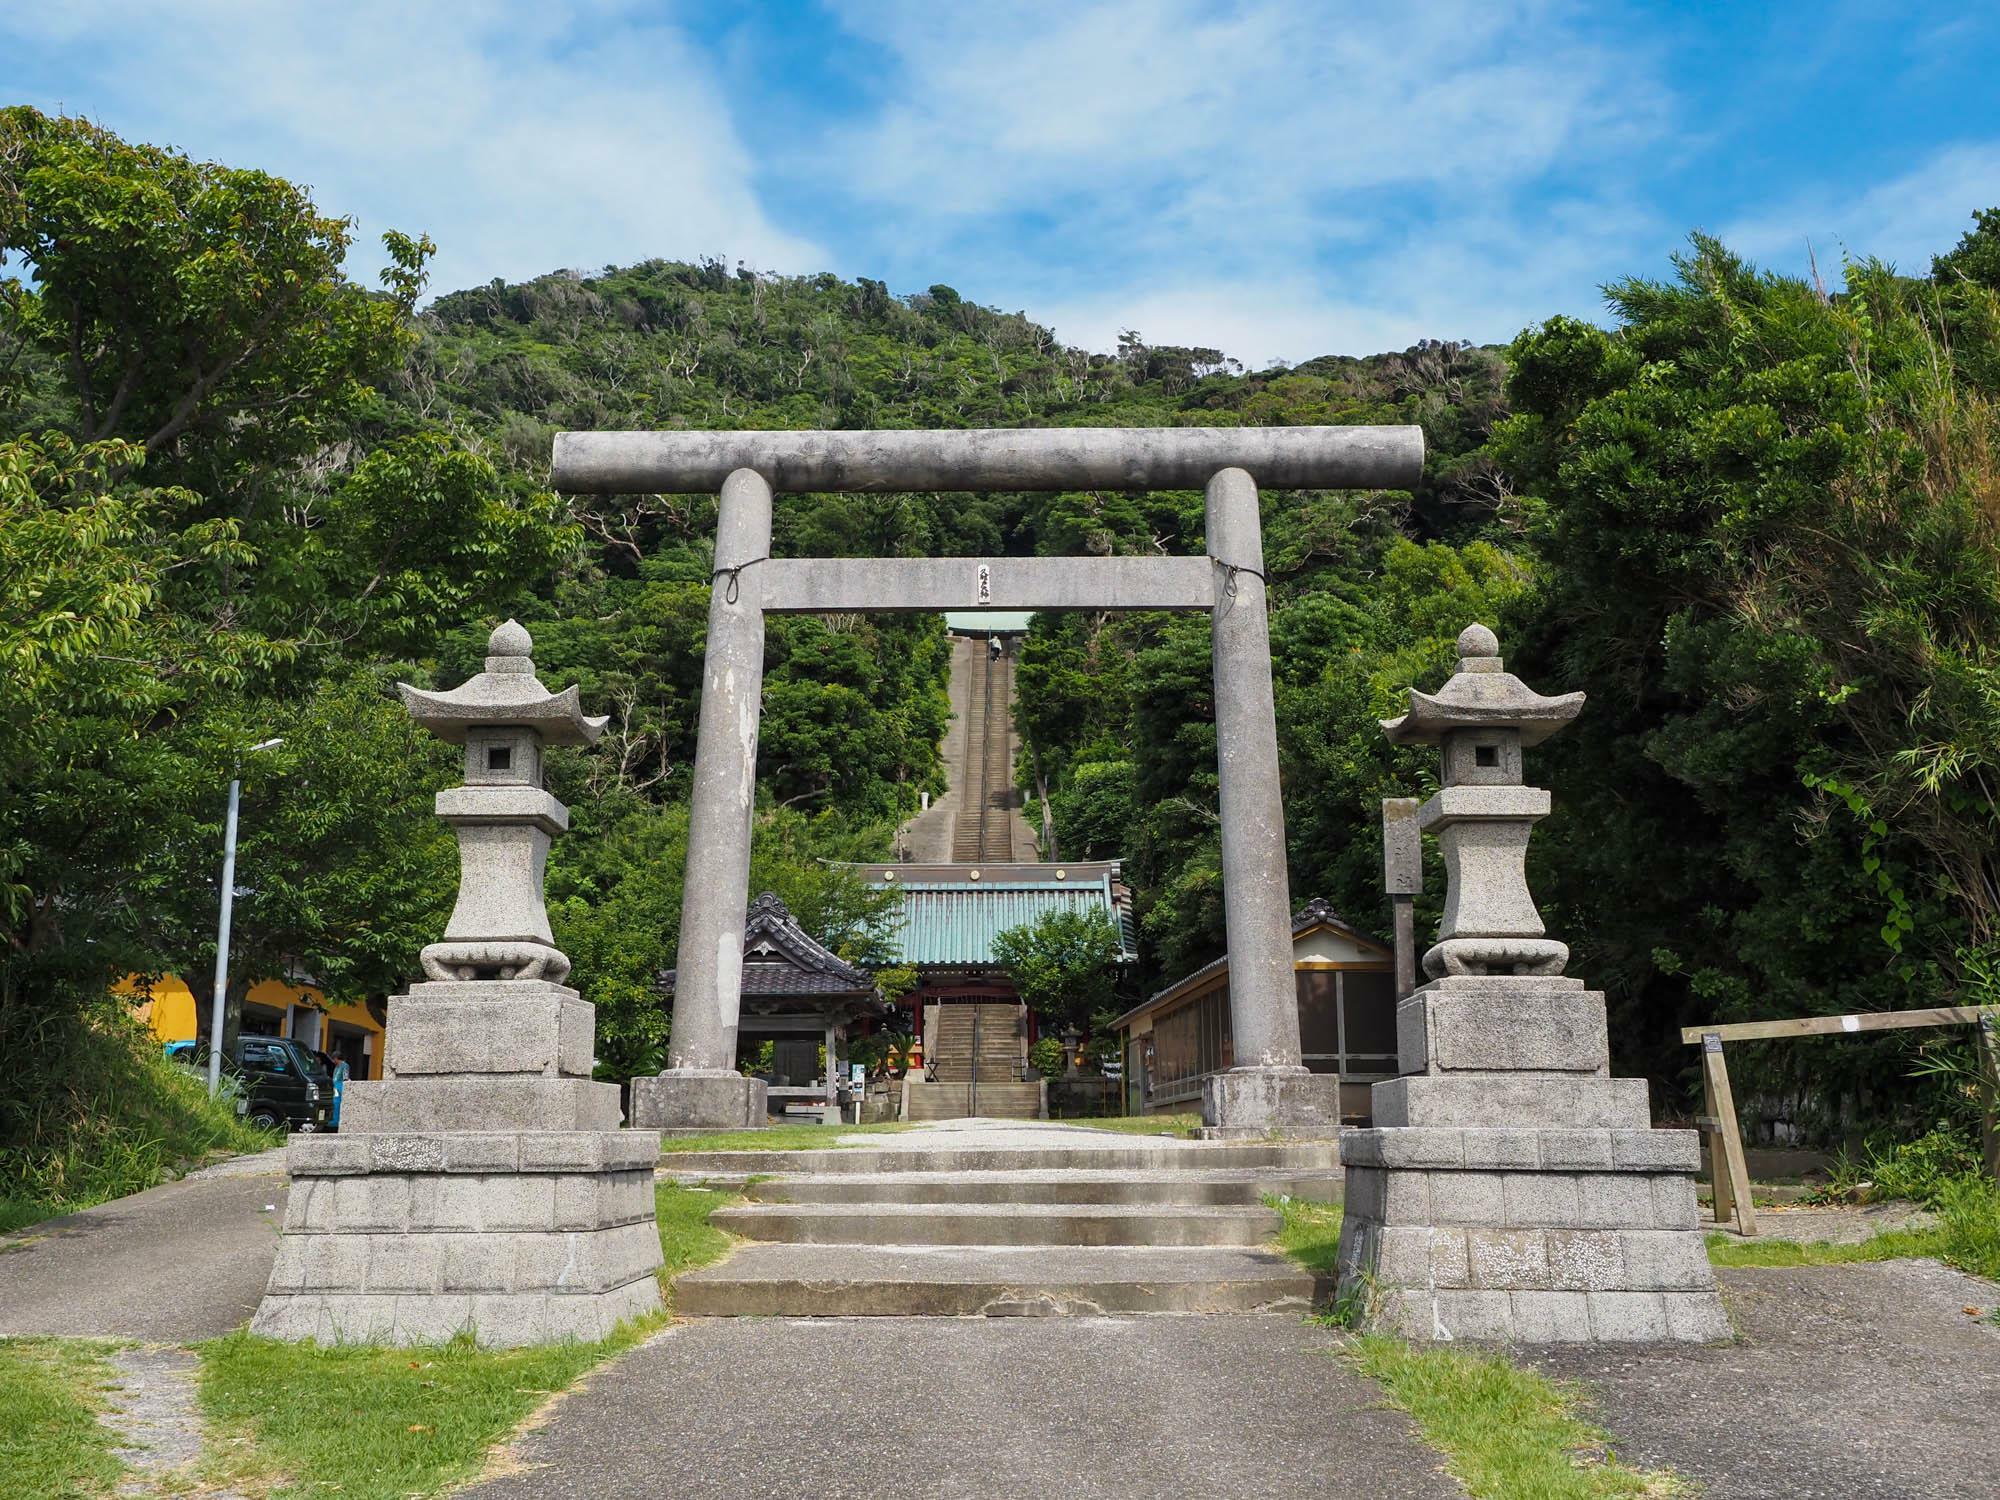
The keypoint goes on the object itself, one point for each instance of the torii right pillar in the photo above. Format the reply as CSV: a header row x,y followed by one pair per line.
x,y
1510,1187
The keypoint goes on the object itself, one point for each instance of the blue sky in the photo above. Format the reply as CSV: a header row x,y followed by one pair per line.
x,y
1278,178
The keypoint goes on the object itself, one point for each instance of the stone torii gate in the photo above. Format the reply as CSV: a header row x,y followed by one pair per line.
x,y
1269,1086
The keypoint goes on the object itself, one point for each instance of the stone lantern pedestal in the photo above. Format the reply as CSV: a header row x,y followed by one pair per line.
x,y
483,1185
1510,1187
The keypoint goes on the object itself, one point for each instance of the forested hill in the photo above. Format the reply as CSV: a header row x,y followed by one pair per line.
x,y
241,495
1116,711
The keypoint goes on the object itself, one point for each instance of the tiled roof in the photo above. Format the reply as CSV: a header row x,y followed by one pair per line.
x,y
782,958
952,924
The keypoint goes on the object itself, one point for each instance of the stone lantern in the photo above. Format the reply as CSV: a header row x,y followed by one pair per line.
x,y
1510,1187
482,1184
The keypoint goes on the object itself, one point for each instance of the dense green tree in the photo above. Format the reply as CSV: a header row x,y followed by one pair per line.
x,y
1064,964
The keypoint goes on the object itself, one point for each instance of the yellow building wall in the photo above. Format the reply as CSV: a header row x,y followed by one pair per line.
x,y
170,1012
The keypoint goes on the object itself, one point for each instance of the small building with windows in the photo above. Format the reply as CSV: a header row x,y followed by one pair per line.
x,y
1347,1021
350,1031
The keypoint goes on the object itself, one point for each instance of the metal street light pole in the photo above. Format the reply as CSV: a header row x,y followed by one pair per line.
x,y
222,927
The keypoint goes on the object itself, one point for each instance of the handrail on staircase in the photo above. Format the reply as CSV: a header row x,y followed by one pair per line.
x,y
972,1095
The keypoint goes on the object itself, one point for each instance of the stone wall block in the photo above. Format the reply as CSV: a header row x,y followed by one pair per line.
x,y
1665,1260
1540,1200
482,1151
1615,1200
413,1105
1508,1260
405,1262
405,1153
1657,1150
1406,1198
513,1319
288,1268
1474,1314
1574,1150
520,1202
336,1262
1584,1260
1462,1198
1551,1317
1548,1101
1627,1317
1423,1148
326,1155
478,1263
367,1204
544,1034
1674,1203
1362,1148
1529,1028
1502,1148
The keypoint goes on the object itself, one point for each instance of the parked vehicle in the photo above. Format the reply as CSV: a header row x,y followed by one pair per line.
x,y
283,1085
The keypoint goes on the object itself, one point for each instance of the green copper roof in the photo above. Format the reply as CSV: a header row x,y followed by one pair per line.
x,y
953,924
988,621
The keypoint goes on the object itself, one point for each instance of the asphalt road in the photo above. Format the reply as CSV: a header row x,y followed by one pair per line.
x,y
185,1261
993,1408
1861,1382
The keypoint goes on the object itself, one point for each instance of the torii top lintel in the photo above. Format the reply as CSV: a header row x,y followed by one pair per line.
x,y
1007,458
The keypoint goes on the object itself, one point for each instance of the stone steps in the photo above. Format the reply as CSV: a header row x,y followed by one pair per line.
x,y
1142,1153
980,1221
931,1101
1241,1187
860,1281
997,1224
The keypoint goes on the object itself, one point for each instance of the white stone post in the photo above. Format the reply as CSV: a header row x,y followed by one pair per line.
x,y
1268,1086
701,1087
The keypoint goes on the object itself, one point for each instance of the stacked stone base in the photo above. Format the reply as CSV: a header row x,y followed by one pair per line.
x,y
1539,1236
1512,1190
1247,1102
687,1100
513,1237
483,1187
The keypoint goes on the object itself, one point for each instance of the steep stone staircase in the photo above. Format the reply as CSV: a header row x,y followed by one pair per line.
x,y
992,1220
995,1038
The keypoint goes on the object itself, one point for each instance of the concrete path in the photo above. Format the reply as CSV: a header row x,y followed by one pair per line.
x,y
988,1408
185,1261
1845,1382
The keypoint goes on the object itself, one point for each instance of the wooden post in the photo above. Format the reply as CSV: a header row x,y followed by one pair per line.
x,y
1715,1076
1987,1034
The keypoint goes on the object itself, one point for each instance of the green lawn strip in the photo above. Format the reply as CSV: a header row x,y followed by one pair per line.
x,y
51,1442
774,1138
1176,1125
1506,1433
367,1421
1310,1234
1966,1235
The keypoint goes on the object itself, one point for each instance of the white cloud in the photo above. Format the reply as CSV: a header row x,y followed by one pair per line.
x,y
523,136
1904,220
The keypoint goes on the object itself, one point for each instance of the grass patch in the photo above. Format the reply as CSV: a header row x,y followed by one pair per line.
x,y
90,1110
368,1422
1177,1125
1310,1234
1506,1433
51,1443
1967,1235
774,1138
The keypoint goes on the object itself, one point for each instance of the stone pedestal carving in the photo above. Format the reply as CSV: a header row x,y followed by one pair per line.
x,y
1510,1187
483,1185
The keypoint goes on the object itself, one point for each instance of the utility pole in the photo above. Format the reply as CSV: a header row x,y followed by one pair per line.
x,y
221,1000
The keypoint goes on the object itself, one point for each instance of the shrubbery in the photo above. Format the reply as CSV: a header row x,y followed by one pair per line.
x,y
103,1113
